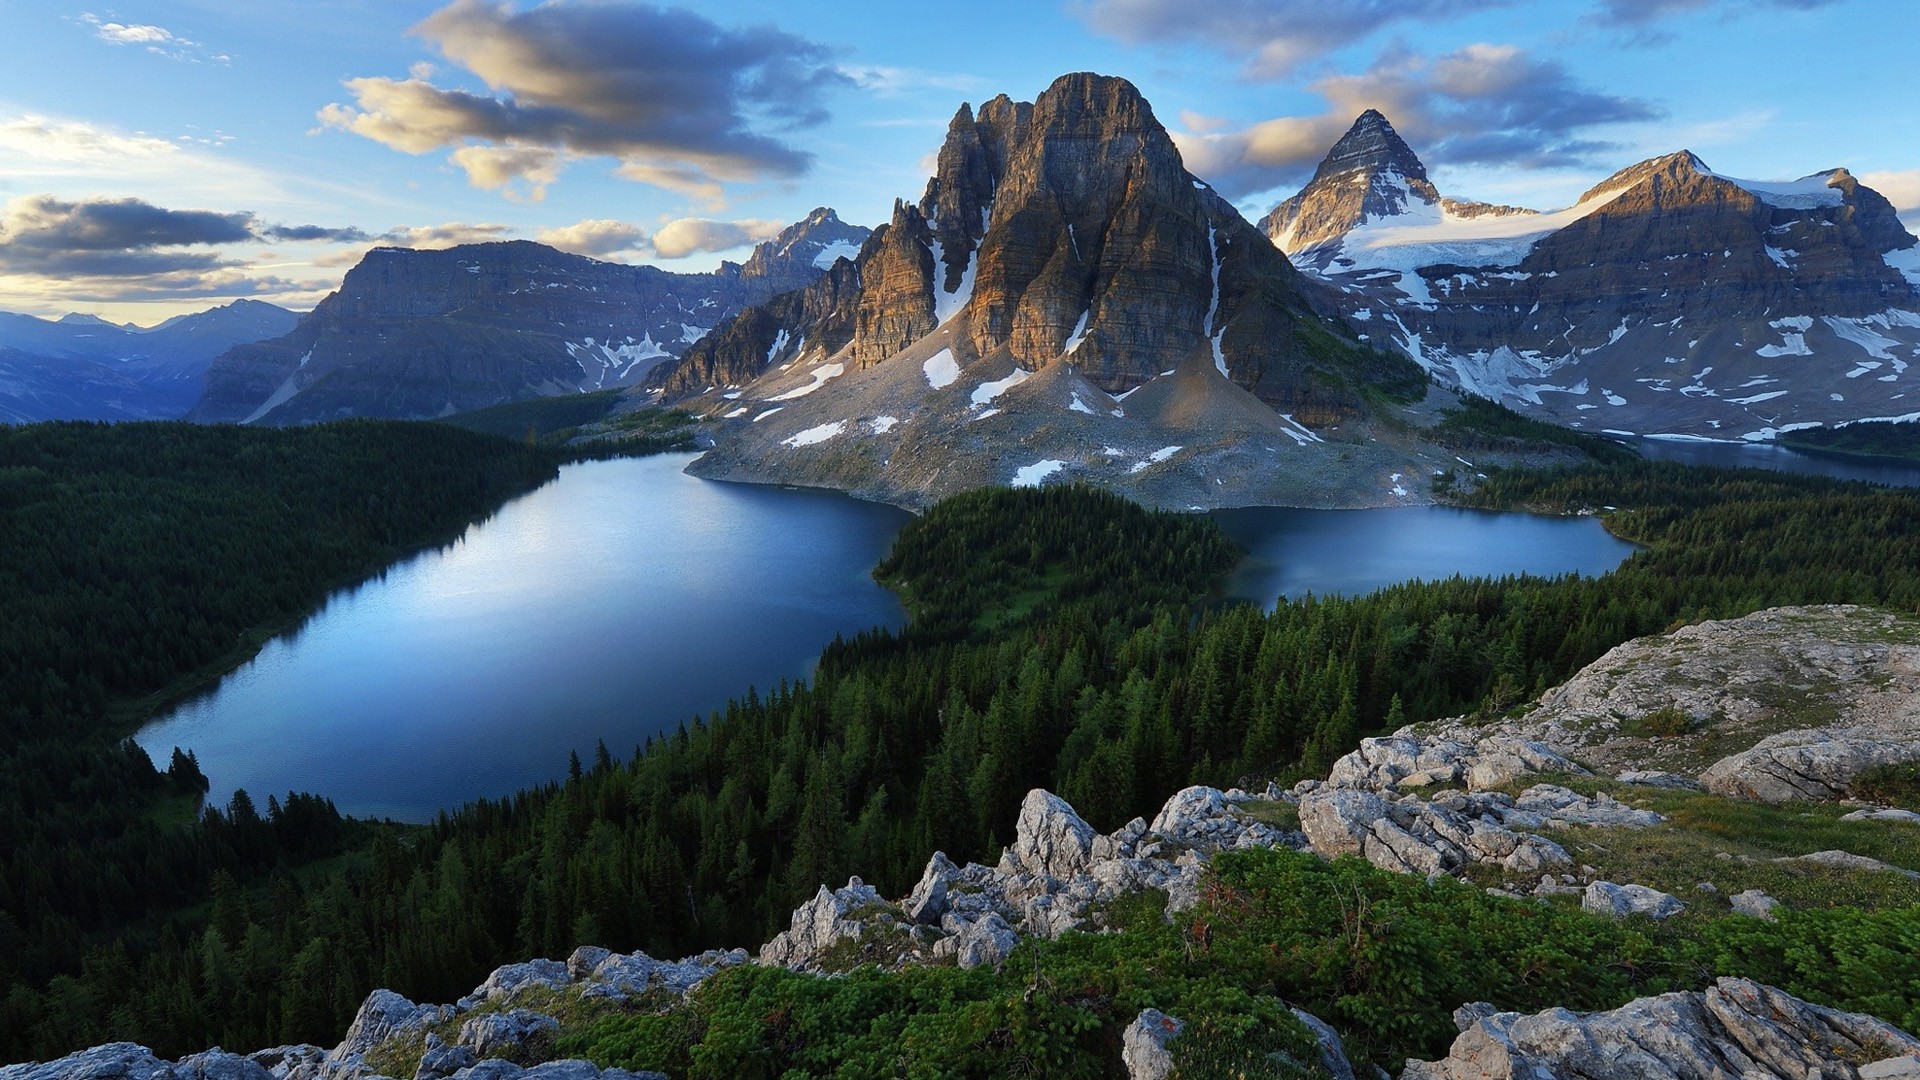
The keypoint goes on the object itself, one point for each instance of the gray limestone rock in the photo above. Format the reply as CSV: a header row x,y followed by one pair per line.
x,y
1657,779
1144,1045
509,980
1050,838
1333,1053
1754,902
1735,1030
439,1060
1806,764
503,1033
217,1064
299,1062
1904,1067
928,901
822,922
382,1016
1847,860
1619,901
113,1061
1883,813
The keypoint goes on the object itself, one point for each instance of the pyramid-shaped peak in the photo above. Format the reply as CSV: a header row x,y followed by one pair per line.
x,y
1371,145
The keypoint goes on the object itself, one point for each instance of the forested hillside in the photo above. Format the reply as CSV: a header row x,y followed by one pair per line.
x,y
1056,644
139,557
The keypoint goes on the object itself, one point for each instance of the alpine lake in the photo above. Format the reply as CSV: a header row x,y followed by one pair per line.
x,y
626,598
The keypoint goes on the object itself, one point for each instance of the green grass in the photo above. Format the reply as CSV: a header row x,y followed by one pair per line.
x,y
1480,424
1890,785
1732,844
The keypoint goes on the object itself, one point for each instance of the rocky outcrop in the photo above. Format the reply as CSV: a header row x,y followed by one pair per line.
x,y
1735,1030
1757,685
1411,761
414,333
1410,835
1053,878
1816,764
1668,299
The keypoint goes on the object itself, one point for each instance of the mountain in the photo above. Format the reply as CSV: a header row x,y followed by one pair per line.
x,y
1065,300
1668,300
81,367
425,333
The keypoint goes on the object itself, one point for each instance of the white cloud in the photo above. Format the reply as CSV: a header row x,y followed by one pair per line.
x,y
157,40
600,238
688,236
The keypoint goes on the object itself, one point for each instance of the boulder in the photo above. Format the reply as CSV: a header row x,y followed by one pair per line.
x,y
1143,1048
1883,813
1735,1030
217,1064
1050,838
1551,805
504,1033
986,940
928,901
1755,903
1333,1053
1847,860
1809,764
439,1060
1619,901
1904,1067
299,1062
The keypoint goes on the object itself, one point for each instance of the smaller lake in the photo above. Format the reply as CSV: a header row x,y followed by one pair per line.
x,y
1350,552
1780,459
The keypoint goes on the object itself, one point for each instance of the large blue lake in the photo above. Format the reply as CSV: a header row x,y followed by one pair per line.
x,y
618,601
626,597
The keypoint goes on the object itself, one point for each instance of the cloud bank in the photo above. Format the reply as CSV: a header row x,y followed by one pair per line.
x,y
678,100
1484,104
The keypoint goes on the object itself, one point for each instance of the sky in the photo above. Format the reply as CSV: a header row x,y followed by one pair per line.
x,y
167,156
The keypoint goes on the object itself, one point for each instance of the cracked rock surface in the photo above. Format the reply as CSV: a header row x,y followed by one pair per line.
x,y
1735,1030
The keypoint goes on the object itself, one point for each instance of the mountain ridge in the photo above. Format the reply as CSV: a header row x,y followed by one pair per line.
x,y
421,333
1061,261
1669,299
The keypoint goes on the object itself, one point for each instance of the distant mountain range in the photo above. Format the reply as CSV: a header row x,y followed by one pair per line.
x,y
425,333
1669,300
1065,301
82,367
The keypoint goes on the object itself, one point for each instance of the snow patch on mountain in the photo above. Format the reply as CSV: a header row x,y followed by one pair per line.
x,y
942,369
987,391
1036,474
820,376
814,435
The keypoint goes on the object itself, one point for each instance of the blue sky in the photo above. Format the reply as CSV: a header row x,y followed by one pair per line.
x,y
158,157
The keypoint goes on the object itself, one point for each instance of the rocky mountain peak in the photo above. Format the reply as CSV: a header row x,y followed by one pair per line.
x,y
1370,174
803,249
1371,145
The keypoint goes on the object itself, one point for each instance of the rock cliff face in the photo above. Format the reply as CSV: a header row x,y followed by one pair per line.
x,y
1060,260
424,333
1669,300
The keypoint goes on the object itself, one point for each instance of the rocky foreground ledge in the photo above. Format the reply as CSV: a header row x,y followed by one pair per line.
x,y
1457,798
